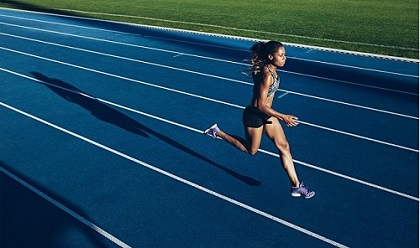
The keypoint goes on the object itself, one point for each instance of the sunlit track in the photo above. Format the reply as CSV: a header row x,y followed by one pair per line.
x,y
103,125
214,76
201,131
186,93
186,54
162,172
175,53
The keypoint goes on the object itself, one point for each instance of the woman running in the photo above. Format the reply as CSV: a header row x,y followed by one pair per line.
x,y
259,117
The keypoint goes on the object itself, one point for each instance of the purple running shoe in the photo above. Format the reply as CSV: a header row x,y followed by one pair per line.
x,y
302,190
211,131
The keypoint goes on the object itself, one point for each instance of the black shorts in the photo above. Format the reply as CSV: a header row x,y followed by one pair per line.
x,y
253,117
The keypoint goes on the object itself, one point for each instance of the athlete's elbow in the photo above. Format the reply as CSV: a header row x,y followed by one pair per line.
x,y
262,108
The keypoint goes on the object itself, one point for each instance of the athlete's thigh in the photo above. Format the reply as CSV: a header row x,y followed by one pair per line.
x,y
274,131
253,136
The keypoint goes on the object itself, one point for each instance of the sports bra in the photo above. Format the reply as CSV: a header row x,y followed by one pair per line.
x,y
273,87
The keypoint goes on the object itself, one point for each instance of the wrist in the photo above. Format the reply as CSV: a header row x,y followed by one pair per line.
x,y
281,117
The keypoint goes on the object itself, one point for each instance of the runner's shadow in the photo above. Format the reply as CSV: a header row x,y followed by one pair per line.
x,y
96,108
105,113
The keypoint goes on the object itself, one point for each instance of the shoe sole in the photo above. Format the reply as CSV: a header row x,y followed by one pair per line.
x,y
306,197
208,130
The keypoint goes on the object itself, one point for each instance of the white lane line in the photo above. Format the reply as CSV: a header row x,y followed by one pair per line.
x,y
283,95
181,53
61,206
176,53
202,57
232,80
360,136
128,59
352,105
360,68
200,131
177,178
190,94
375,186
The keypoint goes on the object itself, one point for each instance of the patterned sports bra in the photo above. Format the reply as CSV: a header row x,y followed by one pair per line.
x,y
271,90
274,87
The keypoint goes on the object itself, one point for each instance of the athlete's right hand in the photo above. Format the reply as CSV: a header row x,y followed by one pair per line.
x,y
290,120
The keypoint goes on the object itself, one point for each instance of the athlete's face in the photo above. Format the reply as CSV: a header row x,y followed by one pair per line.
x,y
279,57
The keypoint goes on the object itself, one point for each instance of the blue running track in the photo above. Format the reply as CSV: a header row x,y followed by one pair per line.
x,y
102,146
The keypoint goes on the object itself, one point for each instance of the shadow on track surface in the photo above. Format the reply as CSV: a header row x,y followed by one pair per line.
x,y
108,114
29,220
95,107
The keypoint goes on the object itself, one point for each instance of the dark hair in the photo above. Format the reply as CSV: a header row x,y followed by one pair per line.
x,y
260,52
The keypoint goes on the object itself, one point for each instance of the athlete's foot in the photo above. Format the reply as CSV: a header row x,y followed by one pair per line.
x,y
302,190
211,131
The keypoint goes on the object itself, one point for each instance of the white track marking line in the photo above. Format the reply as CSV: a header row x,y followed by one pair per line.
x,y
210,75
202,57
177,178
352,105
128,59
193,95
360,136
61,206
348,177
180,53
201,97
201,132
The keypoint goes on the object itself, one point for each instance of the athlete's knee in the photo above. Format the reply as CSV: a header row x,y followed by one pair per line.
x,y
283,146
252,150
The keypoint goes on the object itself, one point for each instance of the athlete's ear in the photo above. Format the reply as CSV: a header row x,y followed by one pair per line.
x,y
270,57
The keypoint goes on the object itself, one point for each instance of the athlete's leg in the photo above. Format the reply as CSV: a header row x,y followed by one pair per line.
x,y
250,145
275,132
